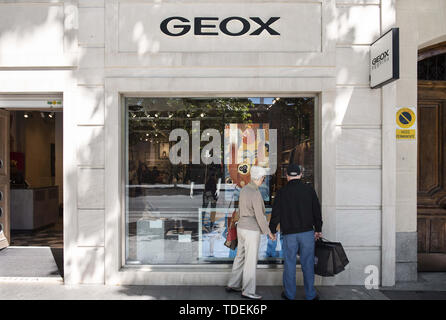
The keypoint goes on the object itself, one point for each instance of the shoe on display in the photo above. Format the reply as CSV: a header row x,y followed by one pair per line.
x,y
230,289
251,296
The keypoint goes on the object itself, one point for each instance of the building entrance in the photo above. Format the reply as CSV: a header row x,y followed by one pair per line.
x,y
31,182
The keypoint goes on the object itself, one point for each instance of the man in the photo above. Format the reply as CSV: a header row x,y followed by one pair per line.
x,y
297,209
251,223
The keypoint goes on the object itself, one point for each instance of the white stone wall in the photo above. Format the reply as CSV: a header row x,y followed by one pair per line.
x,y
358,127
89,230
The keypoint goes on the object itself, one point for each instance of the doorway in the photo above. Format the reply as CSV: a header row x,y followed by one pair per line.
x,y
431,201
31,186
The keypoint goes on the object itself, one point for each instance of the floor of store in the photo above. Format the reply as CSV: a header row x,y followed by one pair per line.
x,y
50,236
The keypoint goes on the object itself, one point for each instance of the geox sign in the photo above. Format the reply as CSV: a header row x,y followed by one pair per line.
x,y
209,26
149,27
384,59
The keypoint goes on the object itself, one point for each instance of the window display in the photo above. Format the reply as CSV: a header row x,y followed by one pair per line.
x,y
188,158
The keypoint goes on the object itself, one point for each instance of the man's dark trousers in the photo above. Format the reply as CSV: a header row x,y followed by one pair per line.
x,y
304,243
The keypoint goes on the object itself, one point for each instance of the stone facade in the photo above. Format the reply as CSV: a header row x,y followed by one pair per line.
x,y
93,52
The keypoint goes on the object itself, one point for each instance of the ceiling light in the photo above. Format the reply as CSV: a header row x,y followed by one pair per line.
x,y
26,115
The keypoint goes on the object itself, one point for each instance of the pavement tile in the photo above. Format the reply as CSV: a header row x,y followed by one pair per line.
x,y
19,290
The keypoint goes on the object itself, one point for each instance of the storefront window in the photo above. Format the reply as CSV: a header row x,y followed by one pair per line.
x,y
188,158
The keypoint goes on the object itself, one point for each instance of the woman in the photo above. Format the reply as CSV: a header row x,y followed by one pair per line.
x,y
251,223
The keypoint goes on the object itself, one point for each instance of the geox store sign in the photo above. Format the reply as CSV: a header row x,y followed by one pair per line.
x,y
201,24
384,59
203,27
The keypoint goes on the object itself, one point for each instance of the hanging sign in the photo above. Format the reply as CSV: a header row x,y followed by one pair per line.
x,y
406,123
385,59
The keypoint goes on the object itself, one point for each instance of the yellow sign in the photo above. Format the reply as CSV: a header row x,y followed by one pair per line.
x,y
405,134
405,118
406,123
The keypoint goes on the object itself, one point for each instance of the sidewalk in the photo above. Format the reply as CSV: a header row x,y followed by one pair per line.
x,y
53,291
430,286
47,291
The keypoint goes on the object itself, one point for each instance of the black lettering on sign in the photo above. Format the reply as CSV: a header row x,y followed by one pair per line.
x,y
224,26
382,56
200,24
184,28
265,26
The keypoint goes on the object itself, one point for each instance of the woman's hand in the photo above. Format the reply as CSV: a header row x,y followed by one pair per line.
x,y
272,236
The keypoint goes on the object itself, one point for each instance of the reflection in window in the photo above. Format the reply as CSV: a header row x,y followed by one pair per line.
x,y
177,208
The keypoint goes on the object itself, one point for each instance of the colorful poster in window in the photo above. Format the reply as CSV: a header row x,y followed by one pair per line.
x,y
246,145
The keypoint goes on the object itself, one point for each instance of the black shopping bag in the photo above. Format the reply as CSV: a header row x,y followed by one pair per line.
x,y
330,258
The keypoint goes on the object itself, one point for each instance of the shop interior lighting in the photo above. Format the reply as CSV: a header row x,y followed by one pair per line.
x,y
26,115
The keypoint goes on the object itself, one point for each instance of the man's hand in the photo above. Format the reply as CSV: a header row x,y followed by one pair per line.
x,y
317,235
272,236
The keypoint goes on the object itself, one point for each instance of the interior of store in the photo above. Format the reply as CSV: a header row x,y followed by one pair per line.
x,y
36,195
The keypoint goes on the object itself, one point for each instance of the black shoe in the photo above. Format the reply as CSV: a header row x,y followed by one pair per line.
x,y
283,295
230,289
316,298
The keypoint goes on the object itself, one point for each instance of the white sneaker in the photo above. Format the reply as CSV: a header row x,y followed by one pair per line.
x,y
252,296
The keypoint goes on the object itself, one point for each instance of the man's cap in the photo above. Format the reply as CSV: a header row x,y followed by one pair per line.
x,y
293,170
258,172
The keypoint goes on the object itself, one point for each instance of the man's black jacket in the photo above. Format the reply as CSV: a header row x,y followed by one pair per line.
x,y
297,209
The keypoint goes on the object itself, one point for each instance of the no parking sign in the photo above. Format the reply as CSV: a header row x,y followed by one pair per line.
x,y
406,123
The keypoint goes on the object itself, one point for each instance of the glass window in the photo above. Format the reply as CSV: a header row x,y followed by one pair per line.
x,y
188,158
